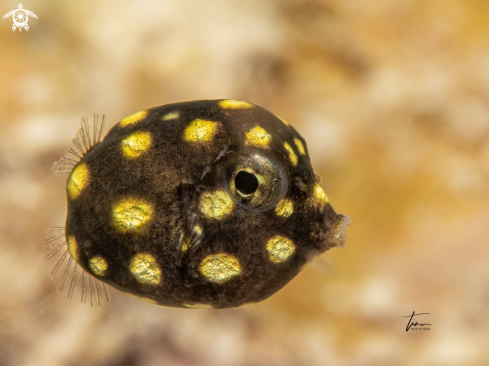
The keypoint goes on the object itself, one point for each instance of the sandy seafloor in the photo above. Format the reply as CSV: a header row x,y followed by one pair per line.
x,y
392,98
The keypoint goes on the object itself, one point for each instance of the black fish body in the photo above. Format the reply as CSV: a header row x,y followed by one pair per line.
x,y
208,203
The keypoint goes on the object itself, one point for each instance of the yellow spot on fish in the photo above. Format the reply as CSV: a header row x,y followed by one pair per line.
x,y
234,104
135,144
219,268
198,306
284,208
216,205
200,130
258,136
280,248
145,269
131,213
292,155
300,146
145,299
319,194
72,246
133,118
98,266
77,181
170,116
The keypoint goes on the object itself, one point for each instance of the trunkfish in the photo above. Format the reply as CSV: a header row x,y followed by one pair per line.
x,y
201,204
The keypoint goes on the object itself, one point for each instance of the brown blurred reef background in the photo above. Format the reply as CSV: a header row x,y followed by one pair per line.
x,y
392,98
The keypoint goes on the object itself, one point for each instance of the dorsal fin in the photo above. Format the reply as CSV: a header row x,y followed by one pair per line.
x,y
87,137
72,281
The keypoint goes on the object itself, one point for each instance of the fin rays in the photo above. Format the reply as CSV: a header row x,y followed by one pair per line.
x,y
72,281
87,137
193,231
196,237
193,234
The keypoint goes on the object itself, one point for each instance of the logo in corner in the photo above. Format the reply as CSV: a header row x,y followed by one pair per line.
x,y
413,323
20,17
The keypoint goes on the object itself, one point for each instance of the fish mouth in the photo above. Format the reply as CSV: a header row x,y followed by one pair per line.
x,y
339,231
333,230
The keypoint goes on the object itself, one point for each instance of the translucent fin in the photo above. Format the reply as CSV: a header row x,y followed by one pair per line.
x,y
87,137
194,230
71,280
193,234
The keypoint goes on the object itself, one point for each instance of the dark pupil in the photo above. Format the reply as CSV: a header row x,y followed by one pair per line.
x,y
246,182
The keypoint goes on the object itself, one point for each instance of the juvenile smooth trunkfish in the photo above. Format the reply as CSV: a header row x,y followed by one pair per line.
x,y
210,203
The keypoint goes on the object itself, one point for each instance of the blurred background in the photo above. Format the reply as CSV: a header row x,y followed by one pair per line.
x,y
392,97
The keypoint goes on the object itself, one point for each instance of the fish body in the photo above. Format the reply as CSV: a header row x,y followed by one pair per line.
x,y
209,203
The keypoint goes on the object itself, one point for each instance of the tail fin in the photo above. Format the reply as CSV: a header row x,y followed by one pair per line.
x,y
72,281
87,137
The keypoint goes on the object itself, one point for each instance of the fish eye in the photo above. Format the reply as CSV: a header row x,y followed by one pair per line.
x,y
246,183
255,180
